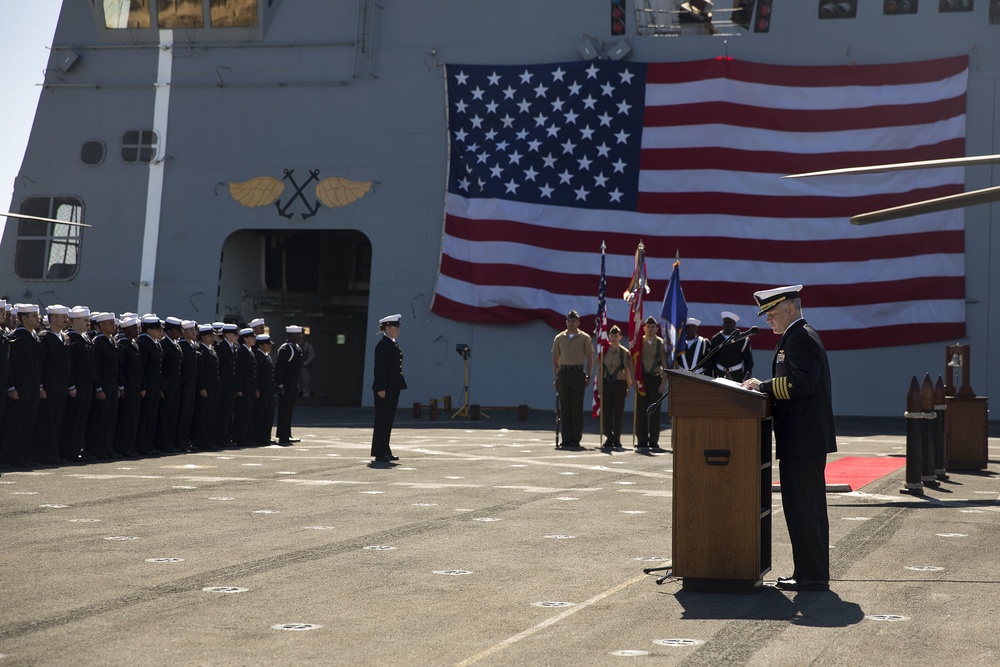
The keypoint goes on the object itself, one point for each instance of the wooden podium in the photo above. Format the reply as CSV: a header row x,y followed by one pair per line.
x,y
721,437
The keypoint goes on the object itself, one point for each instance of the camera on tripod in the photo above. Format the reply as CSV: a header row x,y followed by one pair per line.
x,y
464,350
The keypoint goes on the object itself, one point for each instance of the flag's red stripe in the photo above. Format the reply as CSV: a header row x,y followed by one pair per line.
x,y
803,120
837,296
851,339
772,162
696,291
727,203
928,71
711,247
872,337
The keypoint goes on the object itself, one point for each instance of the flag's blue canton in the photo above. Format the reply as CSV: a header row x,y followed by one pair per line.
x,y
563,135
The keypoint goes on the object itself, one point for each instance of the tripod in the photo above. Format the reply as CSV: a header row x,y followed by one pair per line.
x,y
464,410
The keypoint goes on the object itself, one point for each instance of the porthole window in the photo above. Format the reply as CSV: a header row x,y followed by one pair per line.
x,y
92,152
139,146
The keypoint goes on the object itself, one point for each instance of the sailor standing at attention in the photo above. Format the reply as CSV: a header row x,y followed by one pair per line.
x,y
387,384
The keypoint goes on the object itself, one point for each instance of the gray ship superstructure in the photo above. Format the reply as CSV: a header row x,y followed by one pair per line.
x,y
289,159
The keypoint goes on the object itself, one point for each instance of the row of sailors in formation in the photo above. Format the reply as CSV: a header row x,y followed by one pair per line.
x,y
92,386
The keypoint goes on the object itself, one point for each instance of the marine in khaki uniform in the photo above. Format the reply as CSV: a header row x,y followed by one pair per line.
x,y
572,364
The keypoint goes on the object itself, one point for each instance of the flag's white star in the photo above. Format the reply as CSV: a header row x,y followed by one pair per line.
x,y
557,104
616,196
473,147
623,107
534,144
584,163
541,119
461,135
589,102
558,74
605,119
461,106
600,180
491,135
496,170
477,93
501,146
482,157
524,106
587,132
608,89
491,107
540,90
477,122
546,191
549,161
552,130
619,166
515,158
461,78
494,79
530,173
565,177
464,184
592,71
626,76
511,186
526,76
508,93
622,136
507,121
574,88
603,150
581,193
571,117
568,147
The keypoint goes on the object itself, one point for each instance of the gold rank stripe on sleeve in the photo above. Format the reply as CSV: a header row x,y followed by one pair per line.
x,y
780,387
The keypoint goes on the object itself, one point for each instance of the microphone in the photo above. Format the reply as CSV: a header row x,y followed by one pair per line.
x,y
752,331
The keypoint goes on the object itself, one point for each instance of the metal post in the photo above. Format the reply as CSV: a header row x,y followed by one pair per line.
x,y
913,432
940,405
928,431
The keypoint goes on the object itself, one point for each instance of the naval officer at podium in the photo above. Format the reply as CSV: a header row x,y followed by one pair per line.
x,y
802,410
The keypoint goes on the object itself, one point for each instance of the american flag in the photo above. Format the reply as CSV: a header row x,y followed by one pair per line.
x,y
600,334
548,160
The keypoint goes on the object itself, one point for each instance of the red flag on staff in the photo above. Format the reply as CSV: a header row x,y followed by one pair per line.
x,y
636,288
600,332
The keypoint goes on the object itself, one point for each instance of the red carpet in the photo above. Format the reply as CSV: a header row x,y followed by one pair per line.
x,y
856,471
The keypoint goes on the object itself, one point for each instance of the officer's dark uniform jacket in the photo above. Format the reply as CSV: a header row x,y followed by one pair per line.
x,y
802,404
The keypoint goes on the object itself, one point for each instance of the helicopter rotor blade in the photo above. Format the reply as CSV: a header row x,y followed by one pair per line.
x,y
970,161
972,198
35,217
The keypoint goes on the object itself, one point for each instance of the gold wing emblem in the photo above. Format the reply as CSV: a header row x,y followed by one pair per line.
x,y
260,191
336,192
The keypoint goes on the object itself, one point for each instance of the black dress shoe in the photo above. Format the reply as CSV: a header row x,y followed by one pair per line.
x,y
803,585
393,458
383,459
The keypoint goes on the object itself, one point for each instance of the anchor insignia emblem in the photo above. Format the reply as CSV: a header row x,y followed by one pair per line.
x,y
267,190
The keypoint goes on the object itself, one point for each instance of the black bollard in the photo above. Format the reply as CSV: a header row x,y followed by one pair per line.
x,y
914,420
434,409
417,409
940,460
928,431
